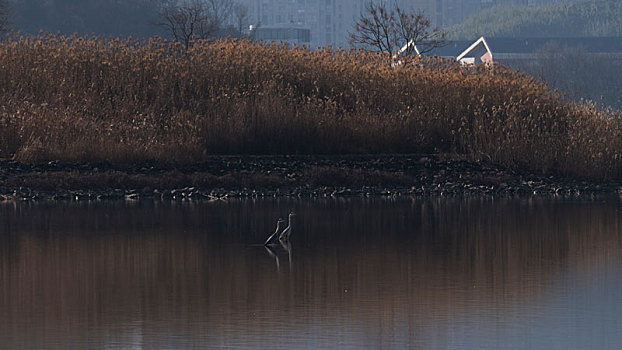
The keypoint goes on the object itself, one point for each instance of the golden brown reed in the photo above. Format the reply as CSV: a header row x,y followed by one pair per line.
x,y
91,99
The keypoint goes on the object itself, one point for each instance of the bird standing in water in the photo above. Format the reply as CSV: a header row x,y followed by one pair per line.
x,y
274,238
284,237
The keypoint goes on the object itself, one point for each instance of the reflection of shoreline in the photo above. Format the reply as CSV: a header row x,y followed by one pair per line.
x,y
435,259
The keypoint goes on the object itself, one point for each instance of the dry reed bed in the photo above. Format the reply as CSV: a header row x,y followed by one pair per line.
x,y
92,99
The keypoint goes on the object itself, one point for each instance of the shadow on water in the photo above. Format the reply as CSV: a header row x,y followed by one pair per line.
x,y
429,273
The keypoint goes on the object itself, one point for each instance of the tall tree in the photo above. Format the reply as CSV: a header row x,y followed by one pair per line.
x,y
189,21
220,11
387,30
240,14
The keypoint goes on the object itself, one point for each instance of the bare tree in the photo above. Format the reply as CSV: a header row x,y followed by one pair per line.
x,y
414,28
189,21
240,14
220,10
387,30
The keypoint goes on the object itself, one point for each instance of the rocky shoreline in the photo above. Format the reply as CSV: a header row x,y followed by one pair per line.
x,y
285,176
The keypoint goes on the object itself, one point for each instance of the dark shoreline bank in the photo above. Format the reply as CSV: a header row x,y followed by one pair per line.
x,y
285,176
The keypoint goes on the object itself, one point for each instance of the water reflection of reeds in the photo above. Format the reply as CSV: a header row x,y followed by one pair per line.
x,y
381,273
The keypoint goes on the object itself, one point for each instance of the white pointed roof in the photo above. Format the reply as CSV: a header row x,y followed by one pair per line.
x,y
479,50
405,47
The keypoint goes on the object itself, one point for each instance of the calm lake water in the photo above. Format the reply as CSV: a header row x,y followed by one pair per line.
x,y
416,274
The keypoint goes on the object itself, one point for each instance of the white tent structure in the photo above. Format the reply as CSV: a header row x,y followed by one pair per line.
x,y
405,47
477,53
398,54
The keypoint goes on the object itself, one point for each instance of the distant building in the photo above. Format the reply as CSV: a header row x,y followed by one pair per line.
x,y
331,21
291,34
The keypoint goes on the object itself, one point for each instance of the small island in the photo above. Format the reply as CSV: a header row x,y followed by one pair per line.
x,y
90,117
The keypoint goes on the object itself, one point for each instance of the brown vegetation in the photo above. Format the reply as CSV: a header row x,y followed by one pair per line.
x,y
91,99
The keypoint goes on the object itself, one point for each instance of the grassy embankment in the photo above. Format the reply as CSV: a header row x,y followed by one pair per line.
x,y
92,99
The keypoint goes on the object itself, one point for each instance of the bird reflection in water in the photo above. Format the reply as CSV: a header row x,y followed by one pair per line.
x,y
280,238
273,252
274,255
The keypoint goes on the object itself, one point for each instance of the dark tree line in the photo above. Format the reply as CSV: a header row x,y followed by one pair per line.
x,y
136,18
558,19
108,17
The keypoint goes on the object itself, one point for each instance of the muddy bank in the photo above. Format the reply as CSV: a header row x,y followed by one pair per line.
x,y
303,176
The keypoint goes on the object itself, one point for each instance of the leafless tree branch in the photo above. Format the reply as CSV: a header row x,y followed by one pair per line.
x,y
240,14
387,30
220,10
196,19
